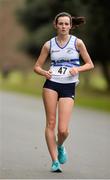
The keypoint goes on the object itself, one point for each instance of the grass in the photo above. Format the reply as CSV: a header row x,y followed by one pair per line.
x,y
31,84
93,99
23,83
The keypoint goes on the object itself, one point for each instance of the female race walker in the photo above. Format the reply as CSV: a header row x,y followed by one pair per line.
x,y
61,78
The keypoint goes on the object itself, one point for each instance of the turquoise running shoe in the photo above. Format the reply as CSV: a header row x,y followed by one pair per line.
x,y
56,166
62,154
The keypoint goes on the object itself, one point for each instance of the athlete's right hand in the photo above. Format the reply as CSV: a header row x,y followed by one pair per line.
x,y
48,74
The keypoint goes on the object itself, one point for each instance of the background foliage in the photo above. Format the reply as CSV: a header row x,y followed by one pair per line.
x,y
37,17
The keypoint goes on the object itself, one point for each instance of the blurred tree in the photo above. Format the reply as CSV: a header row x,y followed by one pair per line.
x,y
99,34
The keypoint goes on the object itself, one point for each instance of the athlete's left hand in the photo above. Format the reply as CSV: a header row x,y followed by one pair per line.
x,y
73,71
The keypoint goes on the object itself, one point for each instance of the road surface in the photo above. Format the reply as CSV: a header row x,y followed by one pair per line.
x,y
23,151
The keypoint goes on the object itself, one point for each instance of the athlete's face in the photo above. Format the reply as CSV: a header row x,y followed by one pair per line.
x,y
63,25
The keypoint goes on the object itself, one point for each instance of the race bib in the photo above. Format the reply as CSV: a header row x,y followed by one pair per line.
x,y
60,71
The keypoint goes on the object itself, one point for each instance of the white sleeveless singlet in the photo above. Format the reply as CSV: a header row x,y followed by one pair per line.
x,y
63,59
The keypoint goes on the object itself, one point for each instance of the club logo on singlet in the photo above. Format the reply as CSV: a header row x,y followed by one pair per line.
x,y
54,51
69,50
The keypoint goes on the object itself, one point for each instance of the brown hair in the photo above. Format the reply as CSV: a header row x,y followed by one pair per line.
x,y
74,21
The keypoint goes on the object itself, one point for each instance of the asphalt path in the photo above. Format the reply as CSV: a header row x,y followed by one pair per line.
x,y
23,151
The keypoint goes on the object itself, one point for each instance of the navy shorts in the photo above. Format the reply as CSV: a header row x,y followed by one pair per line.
x,y
63,90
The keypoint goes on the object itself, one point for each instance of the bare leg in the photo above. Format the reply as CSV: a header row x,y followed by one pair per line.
x,y
50,103
65,107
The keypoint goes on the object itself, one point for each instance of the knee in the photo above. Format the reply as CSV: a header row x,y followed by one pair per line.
x,y
51,123
63,133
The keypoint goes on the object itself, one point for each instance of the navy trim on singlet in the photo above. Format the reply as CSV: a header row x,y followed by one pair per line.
x,y
50,46
75,45
65,44
68,63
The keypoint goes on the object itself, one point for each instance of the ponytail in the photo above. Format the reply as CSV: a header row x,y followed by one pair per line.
x,y
77,21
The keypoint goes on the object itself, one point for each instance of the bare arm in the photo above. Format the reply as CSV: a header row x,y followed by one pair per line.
x,y
41,60
88,64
